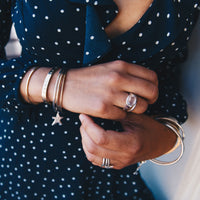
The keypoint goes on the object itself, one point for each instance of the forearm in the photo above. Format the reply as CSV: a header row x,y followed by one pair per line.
x,y
93,90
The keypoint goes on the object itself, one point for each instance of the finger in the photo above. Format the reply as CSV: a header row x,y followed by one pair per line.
x,y
88,126
98,161
120,101
128,83
140,87
92,150
143,72
111,140
91,147
96,154
137,70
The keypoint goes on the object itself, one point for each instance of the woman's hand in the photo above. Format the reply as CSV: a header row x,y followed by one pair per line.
x,y
101,90
143,138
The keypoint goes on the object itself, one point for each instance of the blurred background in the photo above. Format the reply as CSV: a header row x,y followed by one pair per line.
x,y
182,180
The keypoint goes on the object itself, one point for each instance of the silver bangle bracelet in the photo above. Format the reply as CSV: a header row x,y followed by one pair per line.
x,y
46,85
56,91
178,130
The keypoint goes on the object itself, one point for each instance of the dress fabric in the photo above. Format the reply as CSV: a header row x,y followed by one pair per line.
x,y
40,161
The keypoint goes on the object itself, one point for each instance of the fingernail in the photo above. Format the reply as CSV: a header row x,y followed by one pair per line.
x,y
81,117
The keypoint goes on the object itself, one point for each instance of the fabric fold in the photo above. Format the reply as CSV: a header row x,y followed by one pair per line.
x,y
97,44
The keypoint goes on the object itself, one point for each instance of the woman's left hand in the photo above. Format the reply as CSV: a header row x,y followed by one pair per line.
x,y
143,138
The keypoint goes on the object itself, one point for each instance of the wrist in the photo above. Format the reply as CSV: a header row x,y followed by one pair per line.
x,y
35,85
172,137
175,127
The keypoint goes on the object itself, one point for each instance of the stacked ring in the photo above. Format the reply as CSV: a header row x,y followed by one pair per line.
x,y
106,163
131,102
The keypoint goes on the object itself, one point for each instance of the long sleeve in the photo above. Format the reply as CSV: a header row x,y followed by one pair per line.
x,y
171,101
5,25
11,71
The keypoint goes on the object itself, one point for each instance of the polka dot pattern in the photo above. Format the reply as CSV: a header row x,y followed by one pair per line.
x,y
40,161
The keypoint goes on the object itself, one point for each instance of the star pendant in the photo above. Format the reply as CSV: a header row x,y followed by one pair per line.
x,y
57,119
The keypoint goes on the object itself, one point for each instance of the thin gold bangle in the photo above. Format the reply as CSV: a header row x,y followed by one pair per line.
x,y
56,91
60,97
27,84
178,130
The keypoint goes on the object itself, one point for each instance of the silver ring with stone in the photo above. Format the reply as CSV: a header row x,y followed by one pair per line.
x,y
106,163
131,102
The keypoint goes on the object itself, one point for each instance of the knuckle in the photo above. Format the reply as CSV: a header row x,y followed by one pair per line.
x,y
101,108
90,157
114,77
102,140
133,150
109,94
142,107
83,125
119,63
153,93
91,150
154,76
137,149
128,159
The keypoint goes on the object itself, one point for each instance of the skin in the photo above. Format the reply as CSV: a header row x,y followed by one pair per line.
x,y
101,91
143,138
129,13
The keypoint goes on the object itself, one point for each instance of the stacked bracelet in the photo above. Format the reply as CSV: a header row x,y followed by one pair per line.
x,y
27,84
46,85
58,96
178,130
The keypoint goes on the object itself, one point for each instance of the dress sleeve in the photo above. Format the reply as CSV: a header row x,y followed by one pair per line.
x,y
11,71
171,102
5,25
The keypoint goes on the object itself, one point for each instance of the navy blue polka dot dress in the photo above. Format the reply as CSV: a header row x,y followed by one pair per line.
x,y
40,161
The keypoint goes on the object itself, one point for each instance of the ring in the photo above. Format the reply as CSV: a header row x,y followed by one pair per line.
x,y
131,102
106,163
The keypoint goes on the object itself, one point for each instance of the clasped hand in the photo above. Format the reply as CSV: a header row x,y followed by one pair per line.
x,y
101,90
143,138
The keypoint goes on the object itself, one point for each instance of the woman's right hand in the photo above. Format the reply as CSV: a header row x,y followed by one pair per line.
x,y
101,90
